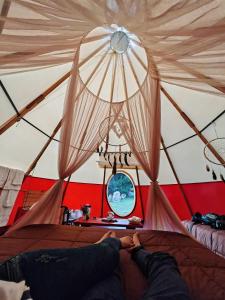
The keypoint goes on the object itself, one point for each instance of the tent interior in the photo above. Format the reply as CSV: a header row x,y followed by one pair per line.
x,y
120,105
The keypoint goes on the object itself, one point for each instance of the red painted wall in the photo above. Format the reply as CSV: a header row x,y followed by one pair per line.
x,y
30,183
206,197
203,197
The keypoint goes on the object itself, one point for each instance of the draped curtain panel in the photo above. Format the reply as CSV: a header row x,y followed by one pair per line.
x,y
172,30
83,114
141,118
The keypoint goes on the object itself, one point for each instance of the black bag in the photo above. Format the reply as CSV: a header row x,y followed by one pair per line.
x,y
66,215
197,218
210,219
220,222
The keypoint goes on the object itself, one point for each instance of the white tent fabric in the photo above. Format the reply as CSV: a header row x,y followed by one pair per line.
x,y
21,143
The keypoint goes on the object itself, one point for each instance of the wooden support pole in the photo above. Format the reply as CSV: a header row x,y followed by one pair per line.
x,y
95,38
140,193
43,95
96,51
32,166
4,13
126,95
111,97
139,59
192,125
32,104
103,193
96,98
138,82
113,78
127,107
177,178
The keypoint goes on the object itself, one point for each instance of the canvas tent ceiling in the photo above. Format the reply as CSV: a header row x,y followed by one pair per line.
x,y
21,143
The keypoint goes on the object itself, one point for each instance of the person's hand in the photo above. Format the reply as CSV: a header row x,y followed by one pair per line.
x,y
126,242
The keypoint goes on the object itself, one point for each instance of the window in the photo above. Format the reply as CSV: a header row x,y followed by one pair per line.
x,y
121,194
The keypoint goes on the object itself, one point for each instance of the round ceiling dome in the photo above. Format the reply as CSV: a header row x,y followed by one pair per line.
x,y
113,63
119,42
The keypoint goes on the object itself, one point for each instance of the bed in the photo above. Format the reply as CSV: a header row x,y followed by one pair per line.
x,y
203,270
212,238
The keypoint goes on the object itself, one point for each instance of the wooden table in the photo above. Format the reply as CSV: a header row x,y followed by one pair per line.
x,y
98,222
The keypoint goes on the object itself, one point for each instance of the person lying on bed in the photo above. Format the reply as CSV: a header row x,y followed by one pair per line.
x,y
160,268
92,272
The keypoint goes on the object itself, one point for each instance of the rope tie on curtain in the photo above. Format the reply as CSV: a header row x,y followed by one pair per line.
x,y
154,183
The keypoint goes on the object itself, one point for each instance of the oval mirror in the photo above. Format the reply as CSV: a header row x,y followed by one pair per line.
x,y
121,194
